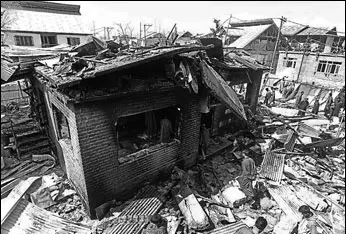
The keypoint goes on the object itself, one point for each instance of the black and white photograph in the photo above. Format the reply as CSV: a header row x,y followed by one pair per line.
x,y
172,117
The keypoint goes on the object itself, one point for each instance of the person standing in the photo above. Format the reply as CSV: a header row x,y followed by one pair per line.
x,y
328,104
316,105
303,106
282,84
247,177
338,106
272,98
267,97
260,224
284,91
166,130
205,138
331,111
299,99
290,90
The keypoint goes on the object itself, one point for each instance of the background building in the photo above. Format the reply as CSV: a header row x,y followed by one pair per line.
x,y
324,69
258,37
45,24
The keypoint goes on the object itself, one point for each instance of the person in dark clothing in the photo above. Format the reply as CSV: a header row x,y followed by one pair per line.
x,y
299,99
328,104
290,90
338,106
260,225
331,111
316,105
205,139
267,97
303,106
272,98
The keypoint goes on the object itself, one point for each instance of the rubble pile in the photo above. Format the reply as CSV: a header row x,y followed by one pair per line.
x,y
208,198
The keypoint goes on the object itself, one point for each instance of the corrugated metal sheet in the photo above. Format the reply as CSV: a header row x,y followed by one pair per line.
x,y
34,21
9,203
290,30
308,130
6,71
136,215
30,219
272,166
222,91
317,31
290,141
247,34
228,229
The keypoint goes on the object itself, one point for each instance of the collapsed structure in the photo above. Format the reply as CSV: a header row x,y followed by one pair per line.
x,y
103,107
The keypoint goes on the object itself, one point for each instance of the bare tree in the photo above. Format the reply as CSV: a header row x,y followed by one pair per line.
x,y
125,31
7,16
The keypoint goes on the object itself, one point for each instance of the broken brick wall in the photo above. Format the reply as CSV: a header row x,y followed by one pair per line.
x,y
105,178
68,153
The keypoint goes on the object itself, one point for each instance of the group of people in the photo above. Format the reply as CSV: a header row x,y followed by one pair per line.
x,y
286,88
331,109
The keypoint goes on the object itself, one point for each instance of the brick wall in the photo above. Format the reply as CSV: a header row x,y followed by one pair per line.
x,y
70,149
104,177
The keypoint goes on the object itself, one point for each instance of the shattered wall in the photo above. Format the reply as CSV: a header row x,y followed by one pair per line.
x,y
67,152
105,179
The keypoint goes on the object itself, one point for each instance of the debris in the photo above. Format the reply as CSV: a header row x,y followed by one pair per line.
x,y
232,194
42,198
9,203
194,214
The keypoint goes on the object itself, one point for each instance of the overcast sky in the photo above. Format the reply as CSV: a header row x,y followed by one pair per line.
x,y
197,17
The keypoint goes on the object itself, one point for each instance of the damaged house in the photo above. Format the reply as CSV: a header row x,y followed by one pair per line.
x,y
120,122
258,38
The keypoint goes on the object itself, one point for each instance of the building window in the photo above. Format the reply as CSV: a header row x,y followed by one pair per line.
x,y
328,67
49,40
63,129
290,62
135,133
24,40
72,41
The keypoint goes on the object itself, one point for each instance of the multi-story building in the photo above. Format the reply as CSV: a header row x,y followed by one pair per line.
x,y
45,24
324,69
